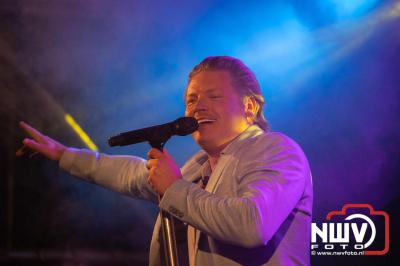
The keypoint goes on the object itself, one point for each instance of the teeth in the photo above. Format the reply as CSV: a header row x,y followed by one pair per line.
x,y
205,120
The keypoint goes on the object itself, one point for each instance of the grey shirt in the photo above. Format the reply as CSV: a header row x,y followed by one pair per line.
x,y
255,210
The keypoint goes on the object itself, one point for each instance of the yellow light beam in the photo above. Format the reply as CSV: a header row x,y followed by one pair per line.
x,y
82,134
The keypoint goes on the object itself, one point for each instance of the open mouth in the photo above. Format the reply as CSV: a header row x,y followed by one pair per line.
x,y
203,121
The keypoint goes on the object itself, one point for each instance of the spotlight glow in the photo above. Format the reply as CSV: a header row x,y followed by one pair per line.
x,y
82,134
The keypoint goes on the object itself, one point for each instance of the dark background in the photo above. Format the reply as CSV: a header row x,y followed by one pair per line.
x,y
329,72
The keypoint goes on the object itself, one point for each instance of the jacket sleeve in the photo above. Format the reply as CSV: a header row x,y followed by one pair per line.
x,y
123,174
270,182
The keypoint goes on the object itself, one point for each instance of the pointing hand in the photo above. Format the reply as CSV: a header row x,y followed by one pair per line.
x,y
43,144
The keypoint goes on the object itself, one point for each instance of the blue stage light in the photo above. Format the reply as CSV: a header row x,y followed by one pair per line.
x,y
349,9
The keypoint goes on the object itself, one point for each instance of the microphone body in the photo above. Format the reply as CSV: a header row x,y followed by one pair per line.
x,y
156,135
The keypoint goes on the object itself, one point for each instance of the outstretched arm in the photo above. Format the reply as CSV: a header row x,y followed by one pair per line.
x,y
123,174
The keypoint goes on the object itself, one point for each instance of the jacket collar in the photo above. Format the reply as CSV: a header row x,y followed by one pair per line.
x,y
242,139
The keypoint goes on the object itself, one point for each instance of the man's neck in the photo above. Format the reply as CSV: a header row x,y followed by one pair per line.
x,y
214,154
213,161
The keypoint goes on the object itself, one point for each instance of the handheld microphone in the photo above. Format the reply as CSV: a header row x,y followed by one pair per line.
x,y
156,135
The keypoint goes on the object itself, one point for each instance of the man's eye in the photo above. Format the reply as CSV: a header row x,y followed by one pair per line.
x,y
215,97
189,102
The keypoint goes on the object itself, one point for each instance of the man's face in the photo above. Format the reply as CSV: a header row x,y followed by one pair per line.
x,y
220,111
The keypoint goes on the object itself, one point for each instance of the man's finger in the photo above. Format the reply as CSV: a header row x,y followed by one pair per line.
x,y
154,153
151,163
33,145
35,134
22,151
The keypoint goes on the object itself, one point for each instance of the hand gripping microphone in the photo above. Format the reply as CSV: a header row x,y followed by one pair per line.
x,y
158,135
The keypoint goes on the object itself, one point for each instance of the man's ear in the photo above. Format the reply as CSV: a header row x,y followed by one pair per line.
x,y
251,108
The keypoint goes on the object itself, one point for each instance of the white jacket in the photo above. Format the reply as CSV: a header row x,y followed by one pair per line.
x,y
255,210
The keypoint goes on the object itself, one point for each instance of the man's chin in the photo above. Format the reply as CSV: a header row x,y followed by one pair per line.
x,y
207,144
202,140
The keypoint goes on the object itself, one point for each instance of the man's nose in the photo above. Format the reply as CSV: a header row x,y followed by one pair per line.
x,y
200,105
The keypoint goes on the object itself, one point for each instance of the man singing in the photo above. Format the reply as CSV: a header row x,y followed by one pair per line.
x,y
245,198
